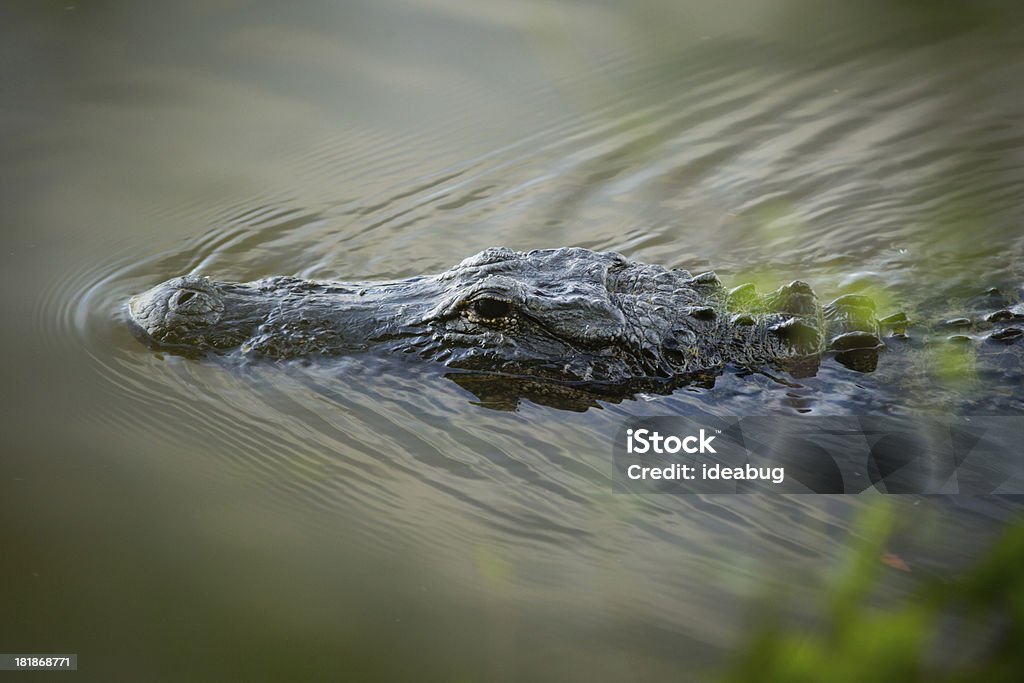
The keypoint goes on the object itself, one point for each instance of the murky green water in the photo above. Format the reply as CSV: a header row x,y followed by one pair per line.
x,y
176,520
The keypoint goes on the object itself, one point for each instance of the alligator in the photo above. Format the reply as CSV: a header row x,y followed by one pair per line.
x,y
566,316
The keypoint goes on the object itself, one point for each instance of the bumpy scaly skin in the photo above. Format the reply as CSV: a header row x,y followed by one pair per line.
x,y
565,314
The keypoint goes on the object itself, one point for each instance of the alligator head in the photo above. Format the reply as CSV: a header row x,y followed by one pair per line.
x,y
567,314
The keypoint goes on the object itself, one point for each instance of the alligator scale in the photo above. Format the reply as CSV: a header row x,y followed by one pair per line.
x,y
569,315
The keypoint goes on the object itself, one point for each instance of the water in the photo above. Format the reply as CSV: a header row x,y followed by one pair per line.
x,y
169,519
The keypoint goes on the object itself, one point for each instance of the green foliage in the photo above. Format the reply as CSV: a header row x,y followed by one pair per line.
x,y
857,641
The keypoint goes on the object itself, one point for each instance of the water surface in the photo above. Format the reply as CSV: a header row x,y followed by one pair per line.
x,y
203,520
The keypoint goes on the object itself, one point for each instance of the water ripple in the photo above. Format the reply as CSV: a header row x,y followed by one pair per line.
x,y
759,169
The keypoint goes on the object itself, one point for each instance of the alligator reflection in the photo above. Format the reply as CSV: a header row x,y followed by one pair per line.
x,y
505,393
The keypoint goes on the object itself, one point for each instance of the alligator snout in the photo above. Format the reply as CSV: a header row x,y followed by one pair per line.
x,y
180,306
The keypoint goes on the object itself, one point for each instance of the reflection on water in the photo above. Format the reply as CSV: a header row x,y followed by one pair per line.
x,y
337,514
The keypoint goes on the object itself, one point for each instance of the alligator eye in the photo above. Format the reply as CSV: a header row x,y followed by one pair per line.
x,y
492,308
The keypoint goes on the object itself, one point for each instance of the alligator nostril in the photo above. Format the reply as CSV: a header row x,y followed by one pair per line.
x,y
184,297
